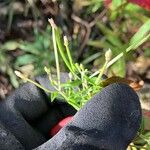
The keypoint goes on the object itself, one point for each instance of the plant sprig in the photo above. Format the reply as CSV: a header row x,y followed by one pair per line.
x,y
82,84
78,89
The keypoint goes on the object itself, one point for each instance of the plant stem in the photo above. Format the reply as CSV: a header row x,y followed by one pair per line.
x,y
20,75
61,50
59,42
101,72
38,85
56,57
132,47
68,52
67,99
73,68
127,50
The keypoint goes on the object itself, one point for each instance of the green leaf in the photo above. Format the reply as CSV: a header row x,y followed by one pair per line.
x,y
143,31
91,80
13,78
147,52
133,8
10,45
101,44
61,48
110,35
119,68
25,59
53,96
147,135
117,3
91,58
28,47
71,84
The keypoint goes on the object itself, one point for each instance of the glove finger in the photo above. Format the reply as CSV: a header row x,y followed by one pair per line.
x,y
27,106
110,120
44,81
59,111
30,101
17,125
7,140
35,106
114,113
33,102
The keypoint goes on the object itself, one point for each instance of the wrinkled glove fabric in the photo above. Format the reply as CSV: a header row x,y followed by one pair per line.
x,y
109,121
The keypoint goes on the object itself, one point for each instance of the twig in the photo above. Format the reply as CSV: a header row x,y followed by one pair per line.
x,y
92,23
88,26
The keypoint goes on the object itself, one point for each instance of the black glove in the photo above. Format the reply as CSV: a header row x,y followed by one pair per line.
x,y
28,115
109,120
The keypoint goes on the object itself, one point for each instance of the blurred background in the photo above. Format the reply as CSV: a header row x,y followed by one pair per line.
x,y
92,27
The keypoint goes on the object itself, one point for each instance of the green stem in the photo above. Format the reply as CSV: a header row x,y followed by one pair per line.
x,y
132,47
68,101
74,105
56,57
23,77
61,49
59,43
141,147
63,55
127,50
38,85
101,72
68,52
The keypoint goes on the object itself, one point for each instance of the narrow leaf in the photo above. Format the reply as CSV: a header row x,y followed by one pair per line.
x,y
143,31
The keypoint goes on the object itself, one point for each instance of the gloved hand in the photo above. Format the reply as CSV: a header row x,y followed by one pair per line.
x,y
27,116
110,120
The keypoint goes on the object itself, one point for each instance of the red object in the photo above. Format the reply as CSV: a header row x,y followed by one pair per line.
x,y
107,2
60,125
147,114
142,3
